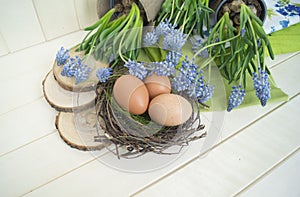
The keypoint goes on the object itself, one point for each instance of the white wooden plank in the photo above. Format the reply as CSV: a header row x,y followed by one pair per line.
x,y
26,124
63,181
279,59
25,61
24,71
237,161
37,163
281,181
102,177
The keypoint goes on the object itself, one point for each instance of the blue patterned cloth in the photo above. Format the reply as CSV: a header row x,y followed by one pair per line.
x,y
281,14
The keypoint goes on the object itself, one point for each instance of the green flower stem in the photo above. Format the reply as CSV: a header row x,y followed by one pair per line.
x,y
215,44
175,22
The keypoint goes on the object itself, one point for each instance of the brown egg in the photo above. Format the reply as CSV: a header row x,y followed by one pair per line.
x,y
131,94
157,85
170,109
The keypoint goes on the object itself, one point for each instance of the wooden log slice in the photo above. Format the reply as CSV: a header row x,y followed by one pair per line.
x,y
64,100
79,129
69,83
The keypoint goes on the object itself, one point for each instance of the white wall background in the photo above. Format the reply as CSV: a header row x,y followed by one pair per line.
x,y
24,23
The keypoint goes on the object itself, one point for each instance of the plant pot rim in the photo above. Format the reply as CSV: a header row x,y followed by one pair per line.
x,y
264,11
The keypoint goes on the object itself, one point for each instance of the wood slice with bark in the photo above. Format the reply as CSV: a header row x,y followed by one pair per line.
x,y
68,83
64,100
79,129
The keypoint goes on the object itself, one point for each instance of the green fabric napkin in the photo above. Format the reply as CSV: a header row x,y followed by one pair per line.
x,y
286,40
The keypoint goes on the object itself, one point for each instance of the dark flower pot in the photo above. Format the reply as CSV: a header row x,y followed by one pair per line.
x,y
258,6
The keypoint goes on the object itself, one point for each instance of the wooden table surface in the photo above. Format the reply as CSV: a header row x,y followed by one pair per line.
x,y
255,152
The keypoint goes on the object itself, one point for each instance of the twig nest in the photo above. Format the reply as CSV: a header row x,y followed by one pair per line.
x,y
170,109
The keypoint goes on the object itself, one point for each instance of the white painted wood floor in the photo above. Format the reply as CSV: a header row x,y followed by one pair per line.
x,y
257,152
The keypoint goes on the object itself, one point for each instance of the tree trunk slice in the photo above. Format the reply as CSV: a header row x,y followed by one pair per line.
x,y
64,100
69,83
79,129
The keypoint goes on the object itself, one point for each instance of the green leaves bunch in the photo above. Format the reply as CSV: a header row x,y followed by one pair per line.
x,y
121,37
189,15
239,50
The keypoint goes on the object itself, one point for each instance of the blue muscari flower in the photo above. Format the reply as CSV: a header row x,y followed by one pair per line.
x,y
81,74
201,91
103,74
243,31
236,97
284,23
165,68
150,39
197,43
70,67
61,56
189,68
262,86
75,68
164,28
180,82
258,42
173,57
136,69
186,77
174,40
204,93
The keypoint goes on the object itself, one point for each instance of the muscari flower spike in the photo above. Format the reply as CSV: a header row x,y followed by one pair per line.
x,y
165,68
136,69
81,74
75,68
164,28
201,91
197,44
150,39
62,56
174,40
70,67
236,97
103,74
262,86
173,57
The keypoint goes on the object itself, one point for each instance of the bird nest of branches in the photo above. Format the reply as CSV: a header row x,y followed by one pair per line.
x,y
130,136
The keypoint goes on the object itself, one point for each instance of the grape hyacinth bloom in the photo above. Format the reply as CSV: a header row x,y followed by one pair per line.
x,y
164,28
243,31
81,74
103,74
180,82
150,39
136,69
70,67
236,97
165,68
262,86
201,91
62,56
197,44
174,40
75,68
173,57
186,76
